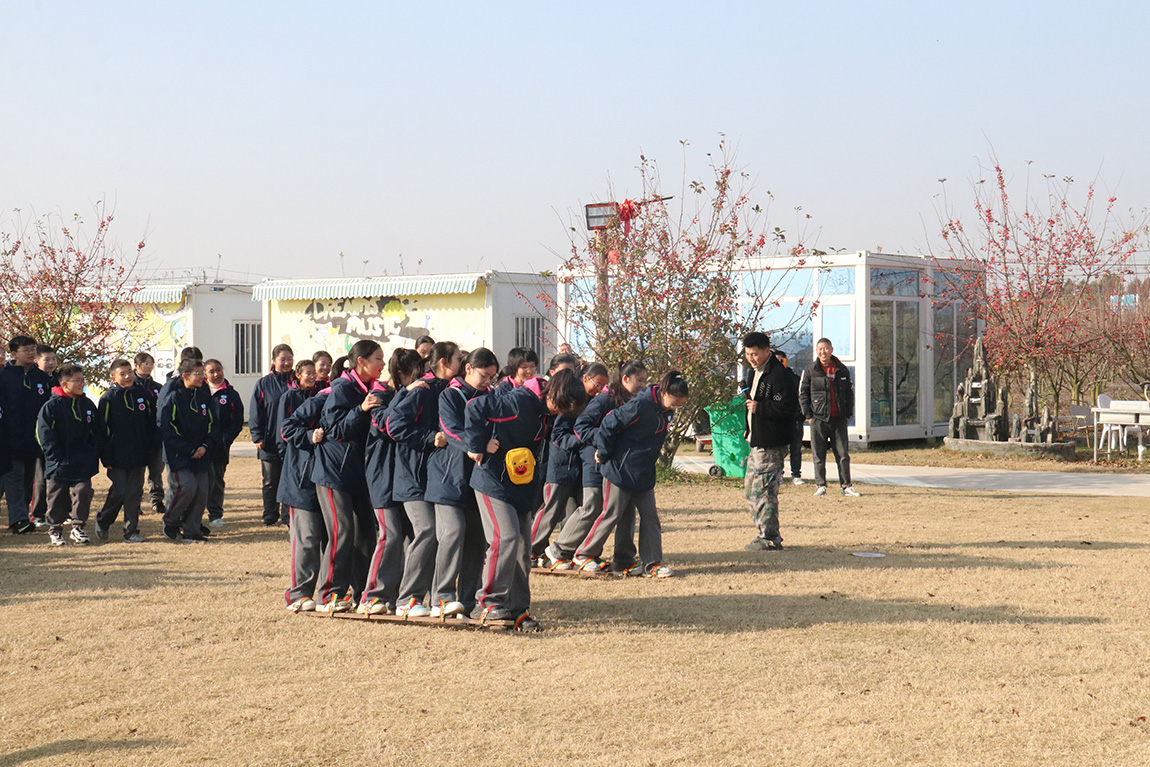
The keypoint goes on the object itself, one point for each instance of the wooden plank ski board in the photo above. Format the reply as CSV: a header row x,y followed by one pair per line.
x,y
451,623
589,574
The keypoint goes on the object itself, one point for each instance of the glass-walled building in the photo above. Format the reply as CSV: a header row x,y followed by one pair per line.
x,y
905,350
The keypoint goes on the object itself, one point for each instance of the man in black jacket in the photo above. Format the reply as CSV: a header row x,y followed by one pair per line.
x,y
263,416
827,397
26,390
771,407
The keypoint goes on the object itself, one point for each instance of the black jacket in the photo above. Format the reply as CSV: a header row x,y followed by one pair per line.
x,y
449,469
776,405
296,488
516,419
630,439
70,433
814,391
230,407
263,416
187,420
129,419
26,391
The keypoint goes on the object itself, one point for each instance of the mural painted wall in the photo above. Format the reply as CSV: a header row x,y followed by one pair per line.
x,y
394,322
163,330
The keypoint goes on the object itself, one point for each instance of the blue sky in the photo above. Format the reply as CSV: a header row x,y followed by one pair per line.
x,y
464,135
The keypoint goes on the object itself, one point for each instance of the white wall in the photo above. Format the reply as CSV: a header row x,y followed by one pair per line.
x,y
214,309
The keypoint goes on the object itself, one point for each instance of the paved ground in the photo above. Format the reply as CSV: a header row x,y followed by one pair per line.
x,y
1054,482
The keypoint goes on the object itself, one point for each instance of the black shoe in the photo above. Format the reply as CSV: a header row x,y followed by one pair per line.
x,y
23,527
205,531
526,623
159,508
194,538
172,533
271,522
491,614
775,544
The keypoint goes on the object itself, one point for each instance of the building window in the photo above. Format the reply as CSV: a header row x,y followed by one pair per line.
x,y
837,281
893,282
249,354
530,332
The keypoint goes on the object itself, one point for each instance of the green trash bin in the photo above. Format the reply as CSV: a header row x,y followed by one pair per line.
x,y
728,422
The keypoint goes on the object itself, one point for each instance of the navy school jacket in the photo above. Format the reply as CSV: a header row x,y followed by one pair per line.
x,y
296,488
230,407
564,463
412,421
287,404
263,416
379,460
5,461
630,439
449,469
585,429
516,419
129,420
151,389
70,434
187,420
339,459
26,391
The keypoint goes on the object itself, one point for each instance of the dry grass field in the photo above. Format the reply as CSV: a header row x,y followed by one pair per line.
x,y
998,630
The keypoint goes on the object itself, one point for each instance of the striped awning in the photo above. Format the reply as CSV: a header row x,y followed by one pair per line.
x,y
160,294
366,287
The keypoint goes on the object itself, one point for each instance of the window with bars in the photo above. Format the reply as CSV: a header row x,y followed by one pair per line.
x,y
249,351
529,332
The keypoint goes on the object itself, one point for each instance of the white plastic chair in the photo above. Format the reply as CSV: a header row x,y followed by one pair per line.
x,y
1115,435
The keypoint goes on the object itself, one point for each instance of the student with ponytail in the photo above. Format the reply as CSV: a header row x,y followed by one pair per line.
x,y
458,529
627,446
413,422
629,378
385,570
504,434
339,475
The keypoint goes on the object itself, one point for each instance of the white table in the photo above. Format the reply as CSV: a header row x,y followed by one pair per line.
x,y
1121,413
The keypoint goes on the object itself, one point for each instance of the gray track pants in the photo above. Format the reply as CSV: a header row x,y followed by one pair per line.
x,y
187,496
350,525
575,529
419,567
125,493
559,503
156,477
68,500
17,490
619,503
508,565
385,570
216,492
460,554
308,535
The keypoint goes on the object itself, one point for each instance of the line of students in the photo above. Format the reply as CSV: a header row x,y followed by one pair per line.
x,y
460,473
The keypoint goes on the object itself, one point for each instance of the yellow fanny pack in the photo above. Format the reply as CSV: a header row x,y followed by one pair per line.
x,y
520,465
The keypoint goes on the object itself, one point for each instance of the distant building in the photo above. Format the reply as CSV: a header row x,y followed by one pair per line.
x,y
498,310
905,355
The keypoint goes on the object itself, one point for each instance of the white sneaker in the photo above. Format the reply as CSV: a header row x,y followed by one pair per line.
x,y
217,523
553,561
40,524
336,605
798,481
661,571
850,490
302,605
79,536
821,490
373,606
449,610
56,538
412,610
589,564
135,538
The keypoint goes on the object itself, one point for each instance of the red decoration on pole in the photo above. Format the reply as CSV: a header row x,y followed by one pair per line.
x,y
627,211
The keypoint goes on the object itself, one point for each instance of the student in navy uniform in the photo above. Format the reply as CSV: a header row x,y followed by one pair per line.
x,y
142,365
630,378
48,360
796,446
340,479
300,433
323,362
230,408
189,430
522,365
69,431
627,446
128,415
262,424
26,390
504,433
458,529
563,491
385,570
413,422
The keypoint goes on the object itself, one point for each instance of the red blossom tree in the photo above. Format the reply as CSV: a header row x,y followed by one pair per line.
x,y
68,288
666,287
1033,272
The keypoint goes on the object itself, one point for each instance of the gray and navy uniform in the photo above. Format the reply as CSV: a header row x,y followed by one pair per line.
x,y
129,419
575,529
297,492
385,569
187,420
70,433
563,491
